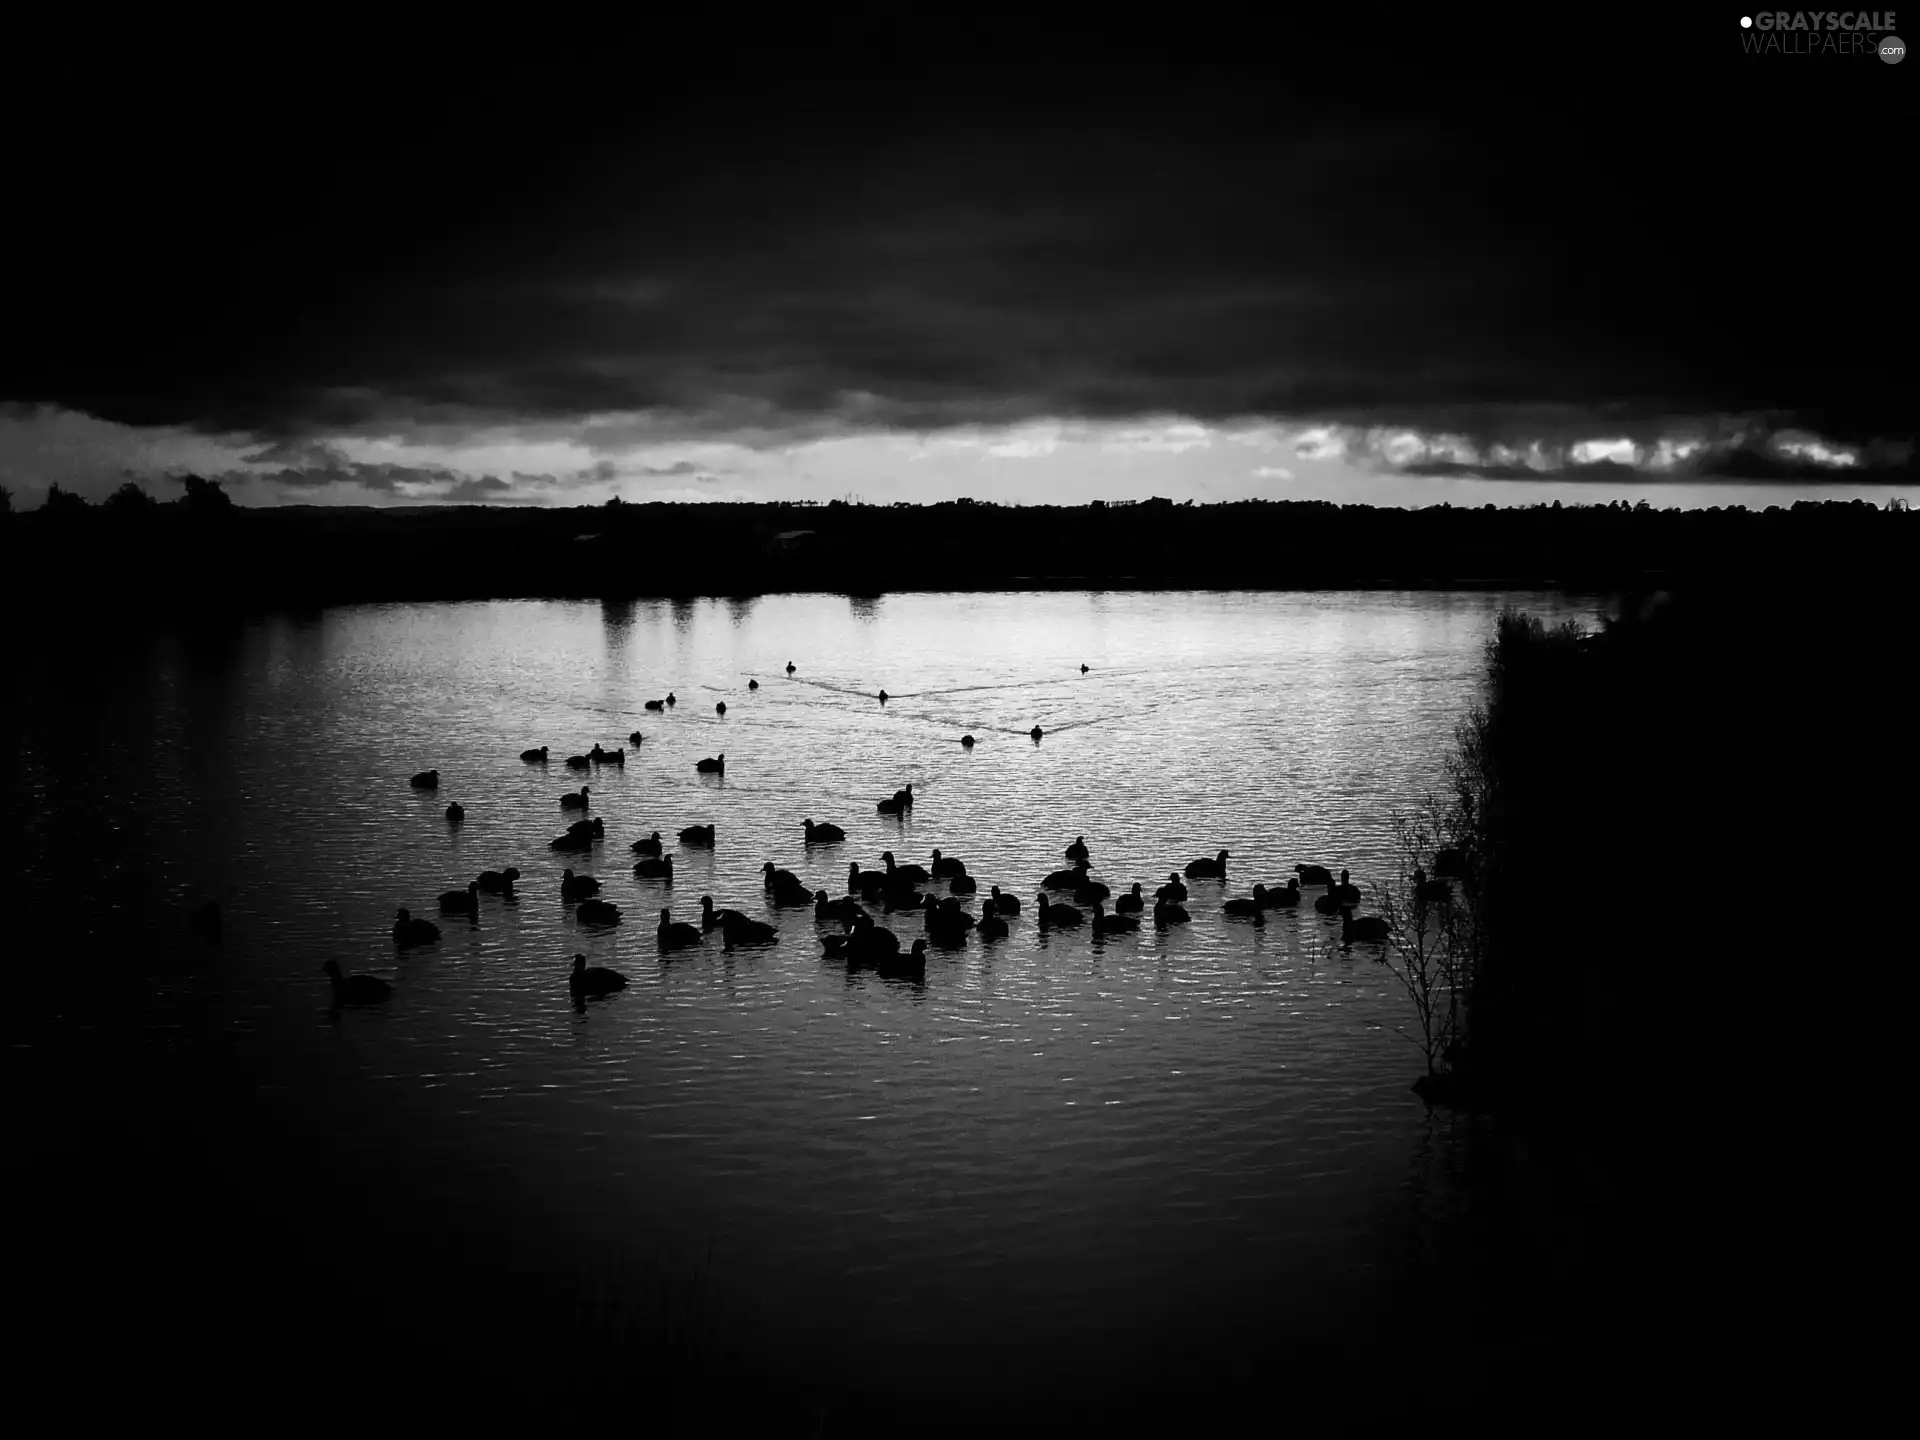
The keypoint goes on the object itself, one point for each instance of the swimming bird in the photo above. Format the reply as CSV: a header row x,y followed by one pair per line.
x,y
635,738
966,742
991,926
594,979
1133,902
905,796
823,834
670,698
456,812
1166,913
1067,879
864,882
713,765
870,943
597,912
1205,869
785,896
912,965
1174,891
963,885
1283,897
578,887
902,896
834,947
673,935
1348,893
609,757
355,989
897,873
572,842
426,780
742,931
946,866
753,684
660,705
895,806
883,697
592,829
948,919
1088,891
1313,874
1329,903
776,879
721,708
648,846
654,867
497,882
1427,891
574,802
1368,929
578,762
697,835
1056,914
461,902
830,911
1248,906
1005,904
712,919
409,931
1078,851
1105,924
790,667
535,756
1083,669
1036,733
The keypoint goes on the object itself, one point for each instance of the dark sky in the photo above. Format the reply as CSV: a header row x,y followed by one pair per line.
x,y
1464,223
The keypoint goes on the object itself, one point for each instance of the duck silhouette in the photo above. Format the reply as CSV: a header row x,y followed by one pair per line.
x,y
578,887
456,812
461,902
572,801
597,912
648,846
654,867
1205,869
673,935
355,989
713,765
535,756
697,835
426,780
409,931
1367,930
1004,904
823,834
594,979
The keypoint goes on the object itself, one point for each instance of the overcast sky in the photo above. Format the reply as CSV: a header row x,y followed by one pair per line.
x,y
1605,257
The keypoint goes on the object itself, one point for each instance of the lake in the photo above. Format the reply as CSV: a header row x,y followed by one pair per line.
x,y
1057,1168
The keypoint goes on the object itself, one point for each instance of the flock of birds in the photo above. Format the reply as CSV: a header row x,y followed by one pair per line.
x,y
849,932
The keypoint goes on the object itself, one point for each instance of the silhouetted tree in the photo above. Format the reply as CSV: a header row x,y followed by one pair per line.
x,y
204,496
61,504
130,501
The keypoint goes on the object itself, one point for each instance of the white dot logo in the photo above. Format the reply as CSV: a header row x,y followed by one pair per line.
x,y
1746,22
1892,49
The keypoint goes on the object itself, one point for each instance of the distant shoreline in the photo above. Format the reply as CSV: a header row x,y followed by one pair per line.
x,y
165,558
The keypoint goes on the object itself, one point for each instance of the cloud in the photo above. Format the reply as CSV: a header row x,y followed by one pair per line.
x,y
1314,239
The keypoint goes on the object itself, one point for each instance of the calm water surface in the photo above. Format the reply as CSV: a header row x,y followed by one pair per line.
x,y
1117,1146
